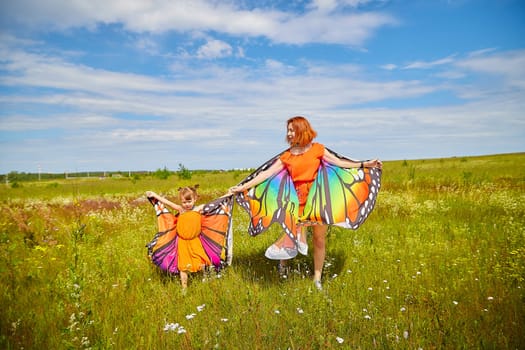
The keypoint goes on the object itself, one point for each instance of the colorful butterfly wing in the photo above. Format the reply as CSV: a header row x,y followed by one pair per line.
x,y
163,248
274,200
216,236
343,197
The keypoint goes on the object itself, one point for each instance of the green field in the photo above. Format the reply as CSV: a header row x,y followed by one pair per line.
x,y
439,264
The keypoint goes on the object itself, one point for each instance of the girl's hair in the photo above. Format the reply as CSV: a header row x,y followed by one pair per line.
x,y
304,133
188,192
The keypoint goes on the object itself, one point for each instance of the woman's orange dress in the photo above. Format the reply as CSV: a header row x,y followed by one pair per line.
x,y
303,170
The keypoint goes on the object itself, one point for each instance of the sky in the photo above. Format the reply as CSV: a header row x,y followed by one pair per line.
x,y
113,85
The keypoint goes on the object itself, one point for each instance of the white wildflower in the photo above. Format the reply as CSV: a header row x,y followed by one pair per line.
x,y
201,307
299,310
190,316
403,309
368,317
405,334
339,340
84,341
170,327
455,302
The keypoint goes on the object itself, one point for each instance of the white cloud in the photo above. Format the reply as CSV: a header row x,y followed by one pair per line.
x,y
389,66
330,5
214,49
430,64
324,5
316,25
56,121
510,65
157,134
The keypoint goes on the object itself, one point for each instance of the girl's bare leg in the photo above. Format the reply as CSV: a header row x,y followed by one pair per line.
x,y
184,279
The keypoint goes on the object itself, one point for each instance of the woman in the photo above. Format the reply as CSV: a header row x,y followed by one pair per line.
x,y
302,163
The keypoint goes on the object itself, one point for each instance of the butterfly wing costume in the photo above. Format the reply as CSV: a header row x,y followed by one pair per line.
x,y
189,241
336,196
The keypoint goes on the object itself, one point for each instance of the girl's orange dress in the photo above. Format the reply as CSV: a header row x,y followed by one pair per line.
x,y
192,256
191,240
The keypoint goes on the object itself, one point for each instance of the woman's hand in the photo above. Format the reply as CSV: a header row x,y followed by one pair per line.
x,y
236,189
375,163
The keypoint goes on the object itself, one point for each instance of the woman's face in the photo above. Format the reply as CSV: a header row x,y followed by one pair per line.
x,y
290,133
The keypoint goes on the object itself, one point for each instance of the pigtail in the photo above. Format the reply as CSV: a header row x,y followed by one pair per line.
x,y
189,191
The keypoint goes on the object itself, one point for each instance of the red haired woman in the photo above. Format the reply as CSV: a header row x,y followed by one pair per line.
x,y
306,165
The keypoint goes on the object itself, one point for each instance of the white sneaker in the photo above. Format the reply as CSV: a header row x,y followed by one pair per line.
x,y
275,253
302,247
318,285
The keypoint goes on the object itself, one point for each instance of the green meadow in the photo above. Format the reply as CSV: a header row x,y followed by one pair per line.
x,y
439,264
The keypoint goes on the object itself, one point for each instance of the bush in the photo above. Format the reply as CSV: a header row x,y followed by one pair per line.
x,y
162,174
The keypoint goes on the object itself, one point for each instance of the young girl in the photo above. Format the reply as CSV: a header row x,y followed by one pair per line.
x,y
194,238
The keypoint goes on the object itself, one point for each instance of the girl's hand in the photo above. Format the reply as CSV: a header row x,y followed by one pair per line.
x,y
225,209
151,194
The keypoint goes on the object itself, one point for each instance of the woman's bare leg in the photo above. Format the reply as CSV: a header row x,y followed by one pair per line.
x,y
319,243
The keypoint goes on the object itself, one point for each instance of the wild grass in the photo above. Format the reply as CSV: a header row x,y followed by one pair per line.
x,y
440,263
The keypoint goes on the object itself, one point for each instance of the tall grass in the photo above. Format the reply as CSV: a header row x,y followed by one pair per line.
x,y
440,263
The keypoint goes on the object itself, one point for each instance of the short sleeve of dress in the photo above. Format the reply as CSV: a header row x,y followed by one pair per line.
x,y
303,167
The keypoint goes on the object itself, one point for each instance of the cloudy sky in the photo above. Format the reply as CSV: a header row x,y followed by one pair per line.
x,y
147,84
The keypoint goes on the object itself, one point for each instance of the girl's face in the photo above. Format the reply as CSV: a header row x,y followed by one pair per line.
x,y
188,203
290,134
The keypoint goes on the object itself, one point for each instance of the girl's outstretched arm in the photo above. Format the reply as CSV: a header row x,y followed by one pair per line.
x,y
165,201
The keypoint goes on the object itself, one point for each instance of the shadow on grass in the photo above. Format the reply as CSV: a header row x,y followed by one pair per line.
x,y
256,268
253,267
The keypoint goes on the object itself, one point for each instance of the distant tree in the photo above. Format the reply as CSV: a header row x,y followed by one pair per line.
x,y
184,173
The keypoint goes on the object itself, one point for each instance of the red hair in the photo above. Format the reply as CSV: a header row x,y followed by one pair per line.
x,y
304,133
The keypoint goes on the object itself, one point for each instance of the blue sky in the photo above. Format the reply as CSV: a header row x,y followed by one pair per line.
x,y
141,85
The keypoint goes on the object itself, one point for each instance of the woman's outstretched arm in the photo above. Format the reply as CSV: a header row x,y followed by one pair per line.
x,y
345,163
276,167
